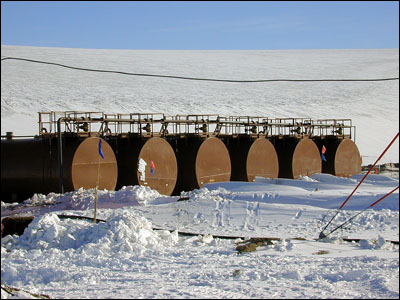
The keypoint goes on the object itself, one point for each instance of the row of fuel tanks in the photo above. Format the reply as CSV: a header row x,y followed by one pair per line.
x,y
169,165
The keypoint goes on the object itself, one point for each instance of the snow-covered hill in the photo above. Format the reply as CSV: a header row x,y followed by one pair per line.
x,y
27,88
138,253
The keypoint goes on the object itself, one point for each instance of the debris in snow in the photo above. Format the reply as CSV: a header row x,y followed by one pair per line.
x,y
8,292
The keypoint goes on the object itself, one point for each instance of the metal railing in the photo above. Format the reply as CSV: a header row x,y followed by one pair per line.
x,y
204,125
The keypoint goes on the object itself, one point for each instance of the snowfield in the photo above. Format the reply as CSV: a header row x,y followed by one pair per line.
x,y
138,253
138,248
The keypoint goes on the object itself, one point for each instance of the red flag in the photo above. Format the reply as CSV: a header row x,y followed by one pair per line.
x,y
323,149
152,167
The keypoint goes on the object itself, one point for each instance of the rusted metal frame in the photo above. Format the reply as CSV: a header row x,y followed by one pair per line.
x,y
234,121
143,121
201,127
341,128
87,119
335,127
261,122
238,123
267,129
323,129
277,125
43,129
279,128
120,122
75,123
75,117
164,128
294,126
218,127
252,125
224,123
282,127
52,122
148,120
107,125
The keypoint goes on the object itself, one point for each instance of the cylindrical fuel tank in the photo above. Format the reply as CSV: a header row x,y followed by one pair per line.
x,y
200,161
297,157
342,156
30,166
145,161
251,157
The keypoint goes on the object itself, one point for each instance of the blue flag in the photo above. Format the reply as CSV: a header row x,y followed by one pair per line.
x,y
101,150
323,157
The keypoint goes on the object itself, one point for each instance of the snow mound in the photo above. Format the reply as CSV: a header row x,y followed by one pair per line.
x,y
208,192
328,178
141,195
125,231
376,179
378,244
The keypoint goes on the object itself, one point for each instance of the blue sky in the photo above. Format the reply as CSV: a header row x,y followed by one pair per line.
x,y
201,25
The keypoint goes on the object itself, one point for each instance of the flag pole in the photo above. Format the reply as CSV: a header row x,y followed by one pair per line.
x,y
97,181
319,176
323,150
95,190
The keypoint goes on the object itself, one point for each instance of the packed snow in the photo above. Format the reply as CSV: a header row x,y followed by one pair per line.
x,y
138,253
137,248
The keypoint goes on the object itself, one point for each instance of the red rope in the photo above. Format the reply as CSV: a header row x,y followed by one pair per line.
x,y
383,197
343,204
322,235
